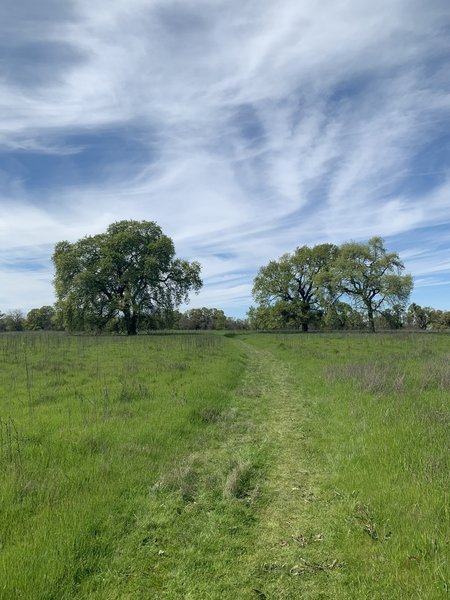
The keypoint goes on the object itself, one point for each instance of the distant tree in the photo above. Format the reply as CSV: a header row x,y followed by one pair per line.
x,y
236,324
288,290
265,318
218,319
202,318
369,276
13,320
439,319
129,273
41,318
162,319
418,316
177,315
425,317
276,316
393,317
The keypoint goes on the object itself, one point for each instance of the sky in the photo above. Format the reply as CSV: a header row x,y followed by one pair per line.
x,y
243,128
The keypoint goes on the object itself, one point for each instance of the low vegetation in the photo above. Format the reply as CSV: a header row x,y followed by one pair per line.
x,y
376,438
237,466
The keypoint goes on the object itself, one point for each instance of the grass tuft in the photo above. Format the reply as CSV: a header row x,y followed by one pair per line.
x,y
183,479
240,481
207,414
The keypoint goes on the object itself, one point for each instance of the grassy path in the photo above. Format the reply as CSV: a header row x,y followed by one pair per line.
x,y
357,483
236,521
289,557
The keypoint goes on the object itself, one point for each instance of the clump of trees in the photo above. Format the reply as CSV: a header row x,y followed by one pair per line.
x,y
207,319
427,318
46,318
347,286
13,320
127,276
201,318
41,318
38,318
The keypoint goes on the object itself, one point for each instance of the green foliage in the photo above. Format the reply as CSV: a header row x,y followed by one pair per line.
x,y
370,276
266,317
440,319
13,320
311,285
291,287
427,318
340,315
129,272
417,316
393,317
41,318
206,319
202,318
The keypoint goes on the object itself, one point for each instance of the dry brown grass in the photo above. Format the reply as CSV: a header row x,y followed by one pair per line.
x,y
183,479
239,482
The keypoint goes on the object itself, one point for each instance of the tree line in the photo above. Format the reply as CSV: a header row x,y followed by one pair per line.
x,y
128,279
210,319
47,318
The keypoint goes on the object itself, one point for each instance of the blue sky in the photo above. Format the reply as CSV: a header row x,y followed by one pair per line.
x,y
244,129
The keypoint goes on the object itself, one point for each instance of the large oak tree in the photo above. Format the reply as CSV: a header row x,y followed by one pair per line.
x,y
289,289
130,272
370,276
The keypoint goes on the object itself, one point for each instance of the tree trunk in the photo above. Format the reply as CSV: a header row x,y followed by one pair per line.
x,y
304,327
130,322
132,325
371,317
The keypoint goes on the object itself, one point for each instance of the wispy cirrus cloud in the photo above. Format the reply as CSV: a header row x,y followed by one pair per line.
x,y
244,129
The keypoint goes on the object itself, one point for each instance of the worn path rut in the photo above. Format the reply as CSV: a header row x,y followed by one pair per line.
x,y
280,563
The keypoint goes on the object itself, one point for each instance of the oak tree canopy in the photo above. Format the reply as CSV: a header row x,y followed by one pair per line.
x,y
330,283
129,273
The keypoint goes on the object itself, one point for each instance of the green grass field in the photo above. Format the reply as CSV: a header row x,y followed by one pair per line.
x,y
225,466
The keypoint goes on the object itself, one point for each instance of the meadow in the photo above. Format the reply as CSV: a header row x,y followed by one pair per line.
x,y
210,466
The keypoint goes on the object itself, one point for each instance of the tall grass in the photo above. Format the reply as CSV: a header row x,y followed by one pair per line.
x,y
87,426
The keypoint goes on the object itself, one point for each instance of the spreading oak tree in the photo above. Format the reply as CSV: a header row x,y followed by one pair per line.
x,y
288,290
370,276
130,273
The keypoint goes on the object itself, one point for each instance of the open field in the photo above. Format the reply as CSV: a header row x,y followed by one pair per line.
x,y
225,466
